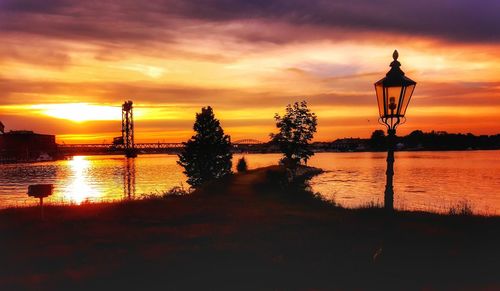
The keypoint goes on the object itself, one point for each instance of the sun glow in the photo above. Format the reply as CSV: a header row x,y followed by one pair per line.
x,y
79,112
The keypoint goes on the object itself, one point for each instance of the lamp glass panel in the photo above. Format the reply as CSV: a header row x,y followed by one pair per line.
x,y
380,98
406,99
393,95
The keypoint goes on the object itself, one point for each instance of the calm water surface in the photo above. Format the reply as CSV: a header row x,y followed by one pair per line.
x,y
431,181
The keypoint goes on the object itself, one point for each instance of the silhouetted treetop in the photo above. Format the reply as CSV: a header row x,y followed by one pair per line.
x,y
296,130
207,155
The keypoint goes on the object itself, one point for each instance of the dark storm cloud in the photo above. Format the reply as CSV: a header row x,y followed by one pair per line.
x,y
49,6
458,20
462,20
108,21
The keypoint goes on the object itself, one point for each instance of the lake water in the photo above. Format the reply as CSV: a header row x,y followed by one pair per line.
x,y
430,181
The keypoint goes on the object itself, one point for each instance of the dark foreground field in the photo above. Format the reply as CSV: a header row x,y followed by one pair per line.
x,y
245,234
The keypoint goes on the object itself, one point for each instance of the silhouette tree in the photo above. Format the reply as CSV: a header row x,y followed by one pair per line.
x,y
414,139
377,140
296,129
242,165
207,155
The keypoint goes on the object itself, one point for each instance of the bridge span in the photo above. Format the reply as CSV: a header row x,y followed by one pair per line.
x,y
147,145
151,145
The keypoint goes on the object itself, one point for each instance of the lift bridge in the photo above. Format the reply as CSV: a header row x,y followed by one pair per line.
x,y
127,138
126,142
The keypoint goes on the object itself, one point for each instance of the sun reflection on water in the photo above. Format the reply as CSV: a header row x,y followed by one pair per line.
x,y
79,189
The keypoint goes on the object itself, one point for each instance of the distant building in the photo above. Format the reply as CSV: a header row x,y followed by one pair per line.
x,y
26,145
350,144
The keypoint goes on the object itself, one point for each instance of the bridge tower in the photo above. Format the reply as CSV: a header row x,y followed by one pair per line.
x,y
128,129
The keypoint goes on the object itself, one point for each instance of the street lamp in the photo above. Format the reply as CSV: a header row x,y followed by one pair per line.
x,y
393,96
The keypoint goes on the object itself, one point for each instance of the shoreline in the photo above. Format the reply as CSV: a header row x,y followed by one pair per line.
x,y
66,157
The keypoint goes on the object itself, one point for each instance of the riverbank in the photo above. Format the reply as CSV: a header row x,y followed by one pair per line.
x,y
257,149
246,232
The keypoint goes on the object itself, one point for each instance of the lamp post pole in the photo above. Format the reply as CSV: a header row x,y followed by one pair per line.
x,y
389,189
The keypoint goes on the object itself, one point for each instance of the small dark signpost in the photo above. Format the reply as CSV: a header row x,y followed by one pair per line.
x,y
40,191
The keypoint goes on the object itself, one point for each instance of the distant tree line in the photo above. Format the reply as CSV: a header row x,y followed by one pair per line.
x,y
435,140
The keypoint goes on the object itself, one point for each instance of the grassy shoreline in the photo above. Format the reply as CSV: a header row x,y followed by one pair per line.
x,y
245,232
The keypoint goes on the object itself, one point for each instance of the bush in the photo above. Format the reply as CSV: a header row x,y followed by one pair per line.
x,y
242,165
176,191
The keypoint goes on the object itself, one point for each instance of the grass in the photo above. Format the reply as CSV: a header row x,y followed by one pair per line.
x,y
463,208
174,191
248,231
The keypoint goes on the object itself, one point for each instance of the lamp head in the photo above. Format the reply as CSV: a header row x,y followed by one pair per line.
x,y
394,91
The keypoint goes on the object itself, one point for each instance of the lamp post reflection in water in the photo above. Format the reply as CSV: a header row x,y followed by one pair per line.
x,y
79,189
129,178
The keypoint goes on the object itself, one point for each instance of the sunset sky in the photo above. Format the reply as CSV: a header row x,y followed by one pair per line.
x,y
66,66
